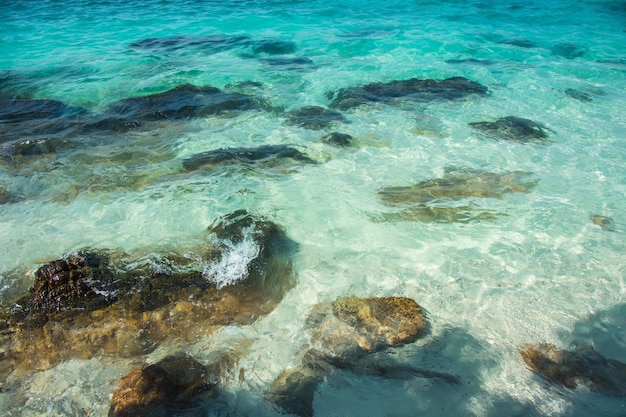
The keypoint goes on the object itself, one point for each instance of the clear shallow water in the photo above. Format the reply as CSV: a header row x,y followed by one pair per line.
x,y
542,273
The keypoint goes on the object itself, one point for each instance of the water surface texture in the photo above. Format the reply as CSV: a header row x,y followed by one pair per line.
x,y
469,155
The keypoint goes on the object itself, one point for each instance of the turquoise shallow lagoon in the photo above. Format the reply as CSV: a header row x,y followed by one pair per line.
x,y
494,269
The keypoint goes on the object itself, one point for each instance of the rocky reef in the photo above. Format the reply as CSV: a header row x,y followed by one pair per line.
x,y
581,367
314,117
107,303
435,200
515,129
413,89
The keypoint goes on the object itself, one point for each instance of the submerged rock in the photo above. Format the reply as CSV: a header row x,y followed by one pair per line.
x,y
266,155
579,95
522,43
430,200
345,335
605,223
289,62
23,110
582,367
568,50
413,89
172,385
206,44
485,62
183,102
314,117
516,129
124,305
338,139
274,47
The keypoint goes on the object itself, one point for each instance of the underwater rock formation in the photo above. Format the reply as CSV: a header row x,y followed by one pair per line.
x,y
579,95
414,89
568,50
314,117
346,335
265,155
338,139
288,62
209,44
273,47
476,61
516,129
430,200
117,304
182,102
604,222
173,384
582,367
521,43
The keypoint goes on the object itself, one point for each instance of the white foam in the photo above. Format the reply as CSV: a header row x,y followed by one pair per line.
x,y
234,263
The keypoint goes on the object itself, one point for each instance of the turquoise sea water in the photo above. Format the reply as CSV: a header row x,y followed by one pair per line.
x,y
541,272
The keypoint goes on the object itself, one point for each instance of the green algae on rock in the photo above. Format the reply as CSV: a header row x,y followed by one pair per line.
x,y
432,200
93,303
581,367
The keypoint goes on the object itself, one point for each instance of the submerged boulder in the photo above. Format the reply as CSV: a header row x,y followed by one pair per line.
x,y
516,129
273,47
434,200
604,222
171,385
314,117
347,335
338,139
126,305
182,102
414,89
205,44
568,50
582,367
265,155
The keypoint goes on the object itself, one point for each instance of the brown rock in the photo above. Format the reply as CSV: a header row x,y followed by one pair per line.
x,y
580,367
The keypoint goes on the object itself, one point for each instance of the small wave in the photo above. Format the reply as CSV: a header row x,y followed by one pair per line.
x,y
236,258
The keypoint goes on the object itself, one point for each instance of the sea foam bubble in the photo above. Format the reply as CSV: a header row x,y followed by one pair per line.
x,y
236,258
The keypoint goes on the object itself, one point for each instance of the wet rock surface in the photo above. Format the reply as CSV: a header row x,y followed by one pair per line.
x,y
413,89
433,200
265,155
172,385
582,367
512,128
347,334
125,305
314,117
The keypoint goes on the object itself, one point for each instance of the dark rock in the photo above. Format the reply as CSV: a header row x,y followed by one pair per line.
x,y
314,117
338,139
568,50
431,200
606,223
183,102
294,389
274,47
172,385
17,111
266,155
475,61
516,129
582,367
125,305
292,62
522,43
206,44
413,89
579,95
